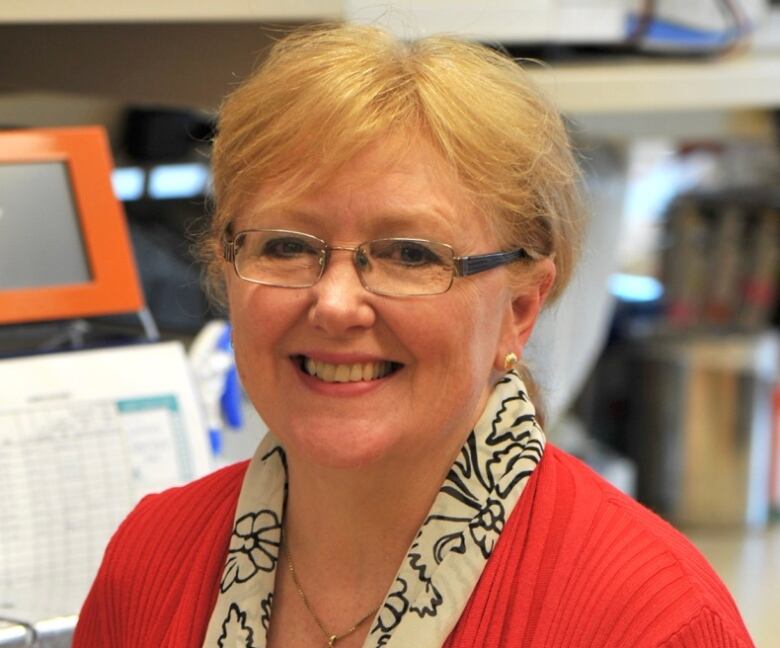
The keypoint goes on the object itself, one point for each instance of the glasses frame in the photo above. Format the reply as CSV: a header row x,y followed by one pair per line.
x,y
462,266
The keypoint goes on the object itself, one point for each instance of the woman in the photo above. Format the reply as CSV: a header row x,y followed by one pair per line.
x,y
390,219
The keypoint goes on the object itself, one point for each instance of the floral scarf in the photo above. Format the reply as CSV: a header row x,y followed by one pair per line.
x,y
445,560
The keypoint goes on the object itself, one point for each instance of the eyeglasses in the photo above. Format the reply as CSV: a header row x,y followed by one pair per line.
x,y
396,267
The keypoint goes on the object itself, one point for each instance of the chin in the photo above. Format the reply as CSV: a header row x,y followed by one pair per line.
x,y
344,447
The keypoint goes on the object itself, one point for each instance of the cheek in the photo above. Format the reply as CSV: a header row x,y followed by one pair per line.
x,y
242,332
464,331
248,356
249,305
250,326
481,313
253,342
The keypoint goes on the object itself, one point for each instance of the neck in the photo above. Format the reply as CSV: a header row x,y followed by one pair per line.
x,y
347,534
349,529
344,520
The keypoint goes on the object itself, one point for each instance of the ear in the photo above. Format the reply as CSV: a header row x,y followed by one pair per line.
x,y
522,312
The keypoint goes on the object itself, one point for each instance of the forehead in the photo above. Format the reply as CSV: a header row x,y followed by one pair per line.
x,y
391,187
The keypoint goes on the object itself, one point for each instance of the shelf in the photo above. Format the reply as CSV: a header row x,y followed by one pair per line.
x,y
742,82
95,11
84,47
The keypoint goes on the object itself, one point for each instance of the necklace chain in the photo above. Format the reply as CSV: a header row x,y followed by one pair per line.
x,y
332,638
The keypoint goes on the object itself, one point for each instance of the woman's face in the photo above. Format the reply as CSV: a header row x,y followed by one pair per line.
x,y
445,348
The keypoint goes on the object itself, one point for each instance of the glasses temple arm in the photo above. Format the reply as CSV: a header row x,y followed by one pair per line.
x,y
469,265
229,250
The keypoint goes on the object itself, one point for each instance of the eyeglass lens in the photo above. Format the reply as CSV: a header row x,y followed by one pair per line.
x,y
391,266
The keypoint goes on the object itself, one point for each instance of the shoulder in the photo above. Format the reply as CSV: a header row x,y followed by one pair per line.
x,y
213,490
612,564
161,568
164,525
200,508
612,516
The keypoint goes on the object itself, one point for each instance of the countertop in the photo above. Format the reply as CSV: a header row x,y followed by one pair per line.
x,y
748,561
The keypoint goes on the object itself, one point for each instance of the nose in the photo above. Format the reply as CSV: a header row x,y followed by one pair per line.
x,y
341,305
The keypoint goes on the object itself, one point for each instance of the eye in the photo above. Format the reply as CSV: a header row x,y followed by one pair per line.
x,y
409,253
287,247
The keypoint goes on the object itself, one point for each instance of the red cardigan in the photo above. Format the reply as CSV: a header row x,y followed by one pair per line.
x,y
578,564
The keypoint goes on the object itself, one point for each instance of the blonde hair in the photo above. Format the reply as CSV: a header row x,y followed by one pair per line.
x,y
324,93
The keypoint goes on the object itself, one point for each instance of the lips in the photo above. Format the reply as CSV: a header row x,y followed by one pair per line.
x,y
348,372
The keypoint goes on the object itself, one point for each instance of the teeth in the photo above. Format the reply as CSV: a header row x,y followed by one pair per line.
x,y
326,371
346,372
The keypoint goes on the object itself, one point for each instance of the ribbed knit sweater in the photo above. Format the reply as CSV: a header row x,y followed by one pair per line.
x,y
578,565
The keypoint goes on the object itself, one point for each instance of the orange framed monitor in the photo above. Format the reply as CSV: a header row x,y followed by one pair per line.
x,y
65,250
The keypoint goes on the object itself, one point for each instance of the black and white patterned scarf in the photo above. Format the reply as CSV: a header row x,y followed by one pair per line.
x,y
445,560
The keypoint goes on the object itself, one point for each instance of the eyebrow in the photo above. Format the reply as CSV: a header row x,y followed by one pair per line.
x,y
413,221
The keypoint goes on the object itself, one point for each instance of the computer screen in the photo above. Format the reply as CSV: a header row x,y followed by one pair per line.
x,y
41,243
65,251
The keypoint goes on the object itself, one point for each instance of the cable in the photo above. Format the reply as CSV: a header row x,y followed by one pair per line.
x,y
740,24
644,21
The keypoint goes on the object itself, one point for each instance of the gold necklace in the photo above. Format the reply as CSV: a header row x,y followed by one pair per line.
x,y
332,638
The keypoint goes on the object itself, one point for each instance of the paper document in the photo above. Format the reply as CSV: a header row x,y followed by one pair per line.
x,y
83,436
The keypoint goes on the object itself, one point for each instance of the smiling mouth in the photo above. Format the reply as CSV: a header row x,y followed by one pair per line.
x,y
342,373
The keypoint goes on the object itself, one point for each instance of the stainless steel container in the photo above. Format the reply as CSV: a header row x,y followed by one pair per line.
x,y
51,633
701,427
